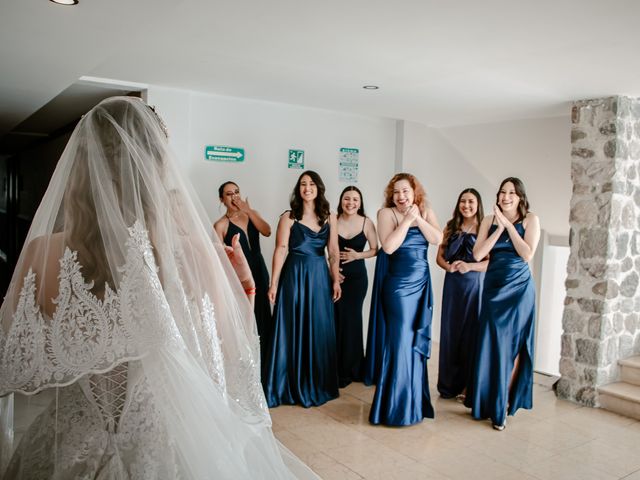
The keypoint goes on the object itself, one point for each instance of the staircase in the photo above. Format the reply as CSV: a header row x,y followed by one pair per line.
x,y
623,397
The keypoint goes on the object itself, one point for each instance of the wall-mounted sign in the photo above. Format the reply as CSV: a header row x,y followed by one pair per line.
x,y
348,168
296,159
220,153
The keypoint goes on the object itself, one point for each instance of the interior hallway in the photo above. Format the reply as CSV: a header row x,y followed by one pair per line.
x,y
556,440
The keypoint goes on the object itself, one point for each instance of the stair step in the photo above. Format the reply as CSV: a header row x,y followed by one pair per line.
x,y
630,370
631,361
622,398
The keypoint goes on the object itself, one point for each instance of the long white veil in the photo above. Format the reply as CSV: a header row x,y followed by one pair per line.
x,y
126,306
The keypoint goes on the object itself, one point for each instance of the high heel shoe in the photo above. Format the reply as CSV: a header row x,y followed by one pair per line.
x,y
504,423
501,427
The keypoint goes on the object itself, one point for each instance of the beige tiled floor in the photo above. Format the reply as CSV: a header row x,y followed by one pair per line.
x,y
555,440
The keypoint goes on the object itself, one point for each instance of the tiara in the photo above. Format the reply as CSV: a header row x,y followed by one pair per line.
x,y
161,124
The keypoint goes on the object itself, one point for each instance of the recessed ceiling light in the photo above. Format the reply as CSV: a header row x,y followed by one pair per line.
x,y
371,87
65,2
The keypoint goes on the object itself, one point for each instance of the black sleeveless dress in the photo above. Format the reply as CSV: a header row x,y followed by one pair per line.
x,y
348,313
251,249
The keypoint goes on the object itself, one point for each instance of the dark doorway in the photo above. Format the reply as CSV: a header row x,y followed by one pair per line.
x,y
28,157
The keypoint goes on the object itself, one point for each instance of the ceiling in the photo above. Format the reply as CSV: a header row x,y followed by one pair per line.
x,y
438,63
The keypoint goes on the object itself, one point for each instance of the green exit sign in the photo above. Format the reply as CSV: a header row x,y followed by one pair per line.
x,y
220,153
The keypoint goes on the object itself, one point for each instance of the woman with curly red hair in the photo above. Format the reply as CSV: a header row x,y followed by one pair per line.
x,y
406,226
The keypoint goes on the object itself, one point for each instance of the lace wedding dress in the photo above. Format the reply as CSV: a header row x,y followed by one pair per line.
x,y
126,308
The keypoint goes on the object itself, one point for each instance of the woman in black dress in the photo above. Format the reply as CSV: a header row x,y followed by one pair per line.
x,y
240,219
355,231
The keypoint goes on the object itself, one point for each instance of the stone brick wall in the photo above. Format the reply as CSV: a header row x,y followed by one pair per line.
x,y
601,319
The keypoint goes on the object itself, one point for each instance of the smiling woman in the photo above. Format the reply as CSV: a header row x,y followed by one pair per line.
x,y
461,293
406,227
355,231
502,376
300,366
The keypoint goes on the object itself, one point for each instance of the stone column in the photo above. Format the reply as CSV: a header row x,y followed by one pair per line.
x,y
601,316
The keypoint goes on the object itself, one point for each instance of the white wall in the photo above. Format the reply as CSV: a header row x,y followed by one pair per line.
x,y
550,306
538,151
267,131
445,160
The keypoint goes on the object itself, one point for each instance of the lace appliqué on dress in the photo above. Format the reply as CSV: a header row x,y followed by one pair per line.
x,y
213,349
86,334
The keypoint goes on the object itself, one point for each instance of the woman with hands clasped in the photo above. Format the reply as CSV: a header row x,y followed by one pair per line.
x,y
460,294
301,365
246,223
355,231
406,226
502,372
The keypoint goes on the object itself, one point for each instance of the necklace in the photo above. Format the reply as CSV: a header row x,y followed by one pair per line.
x,y
233,215
467,230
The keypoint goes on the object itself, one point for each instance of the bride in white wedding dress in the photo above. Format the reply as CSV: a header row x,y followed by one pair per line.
x,y
126,307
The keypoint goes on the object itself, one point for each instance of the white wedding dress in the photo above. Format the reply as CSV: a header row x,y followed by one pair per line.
x,y
126,308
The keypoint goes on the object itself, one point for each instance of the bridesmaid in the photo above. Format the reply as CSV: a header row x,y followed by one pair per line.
x,y
460,295
355,230
301,364
502,376
240,219
406,227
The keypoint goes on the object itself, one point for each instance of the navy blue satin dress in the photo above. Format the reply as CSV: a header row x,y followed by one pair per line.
x,y
505,331
402,391
348,312
375,330
250,243
301,364
459,319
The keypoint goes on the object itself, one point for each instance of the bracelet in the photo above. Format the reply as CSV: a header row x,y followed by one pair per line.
x,y
250,291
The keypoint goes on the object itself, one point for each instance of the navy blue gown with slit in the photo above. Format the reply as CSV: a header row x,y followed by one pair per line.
x,y
301,363
402,389
250,243
505,331
459,319
375,329
348,313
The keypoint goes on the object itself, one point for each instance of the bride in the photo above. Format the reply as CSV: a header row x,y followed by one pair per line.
x,y
126,309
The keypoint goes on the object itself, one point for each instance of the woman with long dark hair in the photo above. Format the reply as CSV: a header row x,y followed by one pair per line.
x,y
502,371
355,231
301,364
245,222
406,226
460,294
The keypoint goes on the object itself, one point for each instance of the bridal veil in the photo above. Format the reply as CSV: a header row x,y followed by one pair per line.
x,y
125,308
